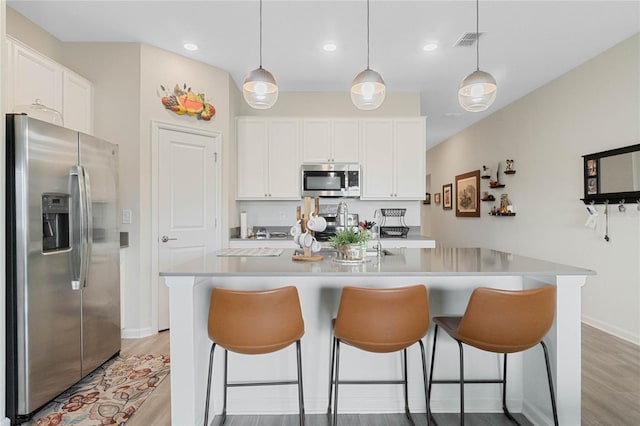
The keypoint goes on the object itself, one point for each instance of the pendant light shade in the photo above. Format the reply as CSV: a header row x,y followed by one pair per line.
x,y
478,90
259,88
368,88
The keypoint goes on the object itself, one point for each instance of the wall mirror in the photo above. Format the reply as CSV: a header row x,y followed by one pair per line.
x,y
612,176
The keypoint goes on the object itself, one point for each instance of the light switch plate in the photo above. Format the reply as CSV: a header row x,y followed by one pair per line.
x,y
126,216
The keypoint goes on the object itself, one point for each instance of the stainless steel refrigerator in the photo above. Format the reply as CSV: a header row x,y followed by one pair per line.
x,y
63,269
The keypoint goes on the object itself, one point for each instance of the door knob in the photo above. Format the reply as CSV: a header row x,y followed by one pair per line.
x,y
166,238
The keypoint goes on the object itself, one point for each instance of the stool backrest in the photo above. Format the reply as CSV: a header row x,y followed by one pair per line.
x,y
255,322
382,320
506,321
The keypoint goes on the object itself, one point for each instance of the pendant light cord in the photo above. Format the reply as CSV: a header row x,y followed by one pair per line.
x,y
367,34
477,36
260,33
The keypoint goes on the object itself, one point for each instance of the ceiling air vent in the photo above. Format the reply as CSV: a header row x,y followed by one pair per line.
x,y
467,39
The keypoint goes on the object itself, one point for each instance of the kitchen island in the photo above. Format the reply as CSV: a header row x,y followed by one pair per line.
x,y
450,274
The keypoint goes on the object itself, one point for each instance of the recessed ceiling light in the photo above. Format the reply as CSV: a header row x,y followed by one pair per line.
x,y
191,46
329,47
430,47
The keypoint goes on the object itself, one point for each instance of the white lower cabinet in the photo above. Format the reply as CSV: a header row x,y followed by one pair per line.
x,y
393,159
268,159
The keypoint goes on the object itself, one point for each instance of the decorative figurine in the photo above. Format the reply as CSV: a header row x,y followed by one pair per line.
x,y
505,204
496,183
509,170
486,173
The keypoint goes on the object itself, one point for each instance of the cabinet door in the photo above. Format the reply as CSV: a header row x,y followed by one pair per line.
x,y
77,102
284,159
316,141
33,76
252,159
377,161
410,153
345,141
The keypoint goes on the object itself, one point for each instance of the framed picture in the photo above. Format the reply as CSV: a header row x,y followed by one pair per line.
x,y
446,196
427,198
436,198
468,194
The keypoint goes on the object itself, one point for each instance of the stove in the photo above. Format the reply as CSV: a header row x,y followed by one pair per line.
x,y
333,227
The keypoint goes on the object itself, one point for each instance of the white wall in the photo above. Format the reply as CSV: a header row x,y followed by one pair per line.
x,y
592,108
335,104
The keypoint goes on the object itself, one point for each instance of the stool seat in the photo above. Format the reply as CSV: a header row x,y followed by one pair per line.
x,y
251,323
500,321
380,320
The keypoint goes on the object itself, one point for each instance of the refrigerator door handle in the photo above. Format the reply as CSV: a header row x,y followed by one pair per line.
x,y
79,256
88,234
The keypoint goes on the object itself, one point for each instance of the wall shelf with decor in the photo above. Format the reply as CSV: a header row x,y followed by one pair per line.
x,y
501,214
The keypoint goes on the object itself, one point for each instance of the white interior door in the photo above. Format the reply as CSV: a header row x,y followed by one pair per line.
x,y
187,213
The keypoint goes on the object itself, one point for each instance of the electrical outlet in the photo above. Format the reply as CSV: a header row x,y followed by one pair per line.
x,y
126,216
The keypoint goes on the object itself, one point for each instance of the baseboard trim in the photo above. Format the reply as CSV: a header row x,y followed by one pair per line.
x,y
610,329
137,333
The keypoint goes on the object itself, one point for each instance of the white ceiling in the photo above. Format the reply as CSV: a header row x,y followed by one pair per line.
x,y
525,44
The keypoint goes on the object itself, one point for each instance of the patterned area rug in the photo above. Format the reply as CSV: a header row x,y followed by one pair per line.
x,y
108,396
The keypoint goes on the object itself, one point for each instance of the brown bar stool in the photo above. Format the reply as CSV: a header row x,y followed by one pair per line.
x,y
254,322
500,321
383,321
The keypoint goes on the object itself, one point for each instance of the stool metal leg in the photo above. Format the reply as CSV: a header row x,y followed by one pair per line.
x,y
551,392
433,356
206,406
335,393
331,378
405,386
461,383
224,406
424,378
505,409
300,392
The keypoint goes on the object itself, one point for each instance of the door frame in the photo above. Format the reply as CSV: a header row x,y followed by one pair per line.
x,y
156,127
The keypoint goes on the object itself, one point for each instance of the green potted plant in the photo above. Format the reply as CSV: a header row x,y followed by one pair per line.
x,y
351,245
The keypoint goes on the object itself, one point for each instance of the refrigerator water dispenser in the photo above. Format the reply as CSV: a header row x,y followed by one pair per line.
x,y
55,222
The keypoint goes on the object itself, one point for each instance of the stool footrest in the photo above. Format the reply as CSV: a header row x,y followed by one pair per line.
x,y
468,381
275,383
365,382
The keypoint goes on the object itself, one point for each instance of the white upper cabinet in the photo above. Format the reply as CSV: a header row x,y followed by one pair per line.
x,y
35,77
32,77
328,140
77,102
268,158
393,159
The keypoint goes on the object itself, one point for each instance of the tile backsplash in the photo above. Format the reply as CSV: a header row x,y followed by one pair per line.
x,y
283,213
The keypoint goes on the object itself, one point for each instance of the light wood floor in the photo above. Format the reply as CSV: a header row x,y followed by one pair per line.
x,y
610,391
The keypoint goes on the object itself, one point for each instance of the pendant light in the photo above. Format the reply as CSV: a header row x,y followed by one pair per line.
x,y
260,89
478,90
368,88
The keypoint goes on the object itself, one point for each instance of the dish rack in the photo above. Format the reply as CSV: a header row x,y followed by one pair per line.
x,y
399,229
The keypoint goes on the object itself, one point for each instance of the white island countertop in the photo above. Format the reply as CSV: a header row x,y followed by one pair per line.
x,y
441,261
450,275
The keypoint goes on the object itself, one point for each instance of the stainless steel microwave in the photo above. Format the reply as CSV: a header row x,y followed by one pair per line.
x,y
331,180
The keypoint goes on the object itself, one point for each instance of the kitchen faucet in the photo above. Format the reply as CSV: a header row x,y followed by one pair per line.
x,y
377,218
